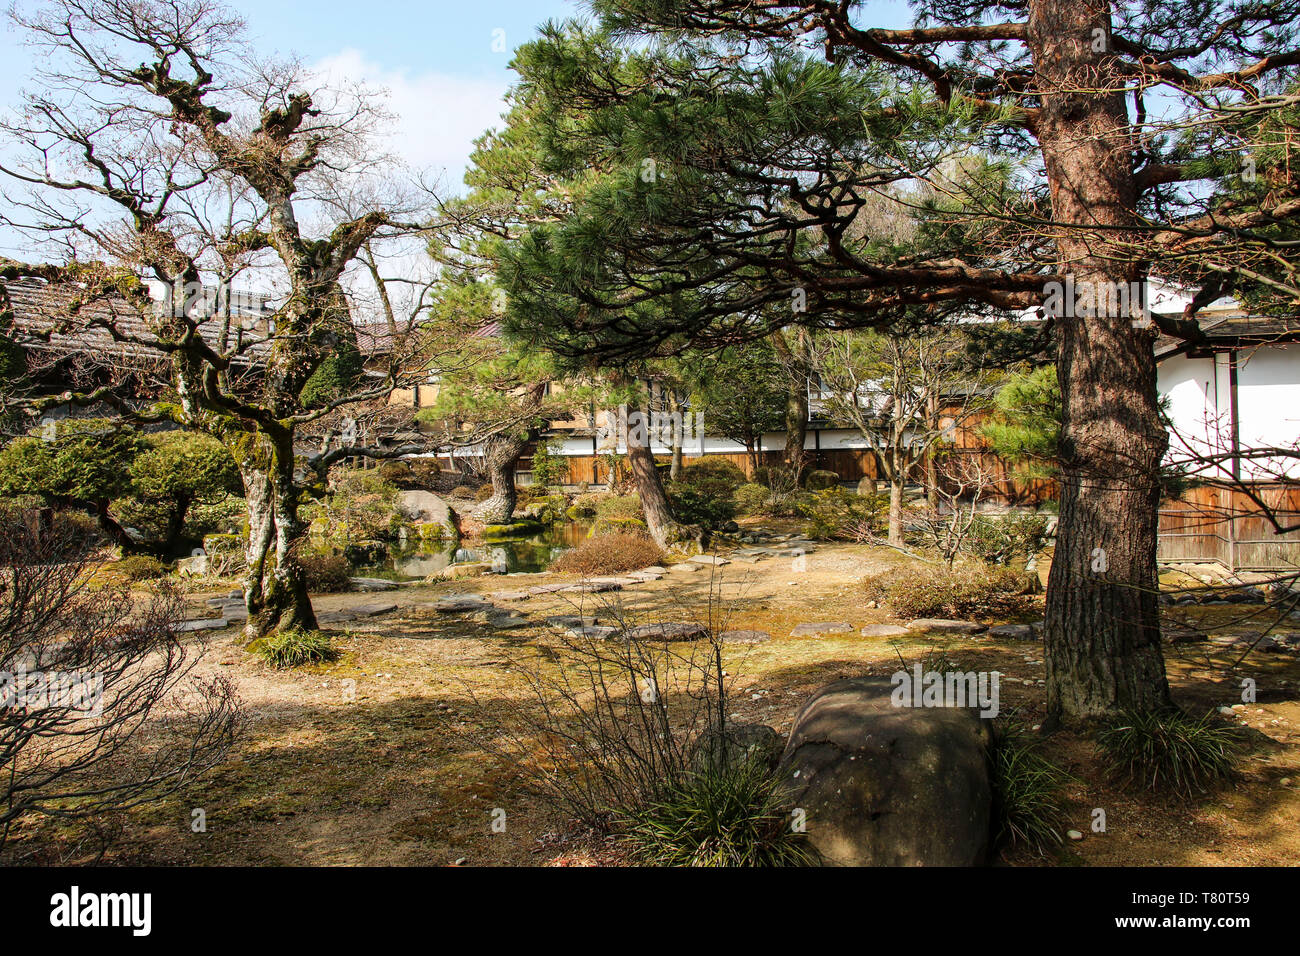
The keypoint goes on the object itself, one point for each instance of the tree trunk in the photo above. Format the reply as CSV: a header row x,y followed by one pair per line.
x,y
896,488
798,370
679,437
661,524
275,590
501,454
1102,626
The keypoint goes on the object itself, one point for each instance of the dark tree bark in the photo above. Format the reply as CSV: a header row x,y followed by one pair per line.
x,y
663,527
1102,625
501,455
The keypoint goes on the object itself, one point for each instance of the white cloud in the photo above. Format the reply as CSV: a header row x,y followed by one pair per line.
x,y
437,115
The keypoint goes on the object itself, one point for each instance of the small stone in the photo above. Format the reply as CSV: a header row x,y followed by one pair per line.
x,y
1074,835
685,566
571,620
708,559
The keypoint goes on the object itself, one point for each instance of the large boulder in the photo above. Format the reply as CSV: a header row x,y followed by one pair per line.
x,y
889,786
426,508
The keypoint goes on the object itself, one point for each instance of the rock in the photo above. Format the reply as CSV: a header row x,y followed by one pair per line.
x,y
1013,632
793,552
678,631
737,742
942,626
1074,835
510,596
424,507
821,480
591,631
207,624
745,637
730,527
889,786
644,577
654,569
593,587
884,630
708,559
455,572
571,620
192,567
507,620
547,589
685,566
830,627
373,584
460,603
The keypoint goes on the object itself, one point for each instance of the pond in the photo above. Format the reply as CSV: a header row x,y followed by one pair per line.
x,y
507,555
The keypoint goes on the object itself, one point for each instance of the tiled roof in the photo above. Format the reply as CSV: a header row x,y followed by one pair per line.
x,y
1235,326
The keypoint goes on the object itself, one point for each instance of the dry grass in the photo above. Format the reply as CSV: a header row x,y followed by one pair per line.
x,y
610,553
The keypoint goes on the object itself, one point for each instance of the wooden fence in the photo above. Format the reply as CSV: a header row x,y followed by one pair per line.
x,y
1223,525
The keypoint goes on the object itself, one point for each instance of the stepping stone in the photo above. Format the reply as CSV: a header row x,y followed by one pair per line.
x,y
744,559
207,624
745,637
685,566
570,620
644,577
373,584
593,587
678,631
942,626
1013,632
654,569
460,603
510,596
235,612
753,553
507,620
829,627
352,613
547,589
793,552
592,631
708,559
884,630
620,582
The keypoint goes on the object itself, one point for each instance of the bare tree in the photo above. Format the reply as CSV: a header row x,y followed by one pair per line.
x,y
84,672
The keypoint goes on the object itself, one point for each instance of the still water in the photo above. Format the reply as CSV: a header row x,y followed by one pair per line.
x,y
507,556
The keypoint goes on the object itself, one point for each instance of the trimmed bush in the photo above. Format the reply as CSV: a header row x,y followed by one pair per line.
x,y
726,474
753,499
836,513
140,567
1171,752
296,648
326,573
610,553
940,592
729,815
708,508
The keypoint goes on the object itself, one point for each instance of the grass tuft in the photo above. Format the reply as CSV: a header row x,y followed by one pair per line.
x,y
296,648
729,815
1171,752
1028,791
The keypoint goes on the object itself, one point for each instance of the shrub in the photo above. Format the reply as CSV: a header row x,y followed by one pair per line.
x,y
998,540
295,648
724,474
753,499
836,513
708,508
821,480
1170,751
729,815
587,505
483,493
943,592
140,567
1028,798
326,573
619,506
610,553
